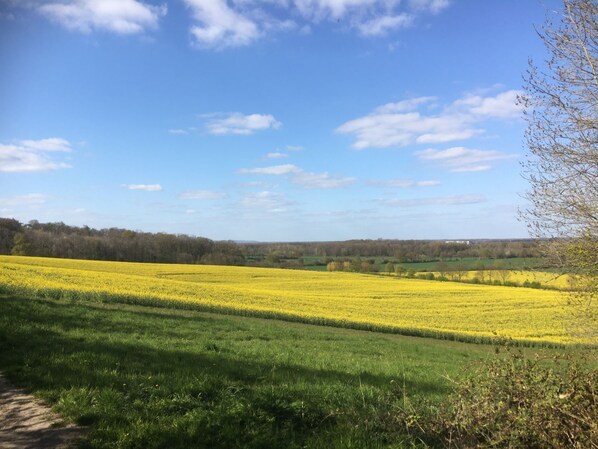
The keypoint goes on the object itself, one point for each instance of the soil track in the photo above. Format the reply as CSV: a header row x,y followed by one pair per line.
x,y
26,423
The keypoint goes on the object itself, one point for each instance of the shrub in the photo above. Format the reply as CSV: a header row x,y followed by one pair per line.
x,y
532,284
517,402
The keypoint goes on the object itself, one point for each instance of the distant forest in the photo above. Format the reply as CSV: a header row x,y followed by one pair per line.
x,y
73,242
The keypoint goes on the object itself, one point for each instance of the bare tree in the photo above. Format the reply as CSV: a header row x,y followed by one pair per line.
x,y
442,268
459,271
561,108
502,271
481,275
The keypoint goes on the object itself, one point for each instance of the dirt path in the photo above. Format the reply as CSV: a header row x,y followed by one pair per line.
x,y
26,423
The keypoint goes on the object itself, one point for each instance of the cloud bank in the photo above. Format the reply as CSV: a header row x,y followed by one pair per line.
x,y
221,23
218,24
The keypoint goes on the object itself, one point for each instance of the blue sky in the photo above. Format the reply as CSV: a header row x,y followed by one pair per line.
x,y
272,120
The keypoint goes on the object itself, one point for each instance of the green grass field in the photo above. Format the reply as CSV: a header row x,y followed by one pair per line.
x,y
144,377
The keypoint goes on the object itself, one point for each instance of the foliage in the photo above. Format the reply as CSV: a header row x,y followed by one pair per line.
x,y
389,268
562,134
518,402
400,251
509,401
61,240
561,108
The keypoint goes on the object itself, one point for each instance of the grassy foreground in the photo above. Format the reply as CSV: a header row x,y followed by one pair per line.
x,y
144,377
448,310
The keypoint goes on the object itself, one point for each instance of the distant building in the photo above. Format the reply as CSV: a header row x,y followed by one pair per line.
x,y
458,242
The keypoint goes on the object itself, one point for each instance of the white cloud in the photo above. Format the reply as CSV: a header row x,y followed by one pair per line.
x,y
202,195
404,123
30,199
317,10
276,155
177,131
145,187
403,106
30,155
294,148
380,26
15,159
223,23
274,202
50,144
472,168
504,105
241,124
117,16
401,129
402,183
284,169
221,26
447,135
455,200
333,10
433,6
259,185
323,180
300,177
461,159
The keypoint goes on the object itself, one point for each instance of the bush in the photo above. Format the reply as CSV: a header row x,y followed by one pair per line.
x,y
518,402
514,402
533,284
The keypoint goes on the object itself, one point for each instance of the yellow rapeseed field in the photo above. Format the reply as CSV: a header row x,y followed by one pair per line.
x,y
410,306
546,279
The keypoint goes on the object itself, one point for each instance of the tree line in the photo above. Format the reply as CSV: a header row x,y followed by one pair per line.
x,y
72,242
117,244
399,250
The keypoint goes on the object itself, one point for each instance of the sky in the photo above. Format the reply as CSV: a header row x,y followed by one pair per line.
x,y
268,120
